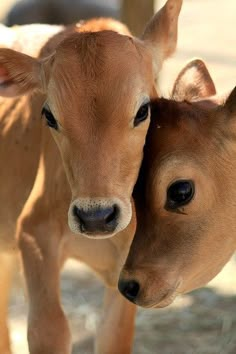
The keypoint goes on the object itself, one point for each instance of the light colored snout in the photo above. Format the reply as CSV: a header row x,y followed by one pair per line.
x,y
99,217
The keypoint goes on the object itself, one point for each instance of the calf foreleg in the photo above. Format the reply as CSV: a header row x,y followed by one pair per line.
x,y
116,330
6,268
48,331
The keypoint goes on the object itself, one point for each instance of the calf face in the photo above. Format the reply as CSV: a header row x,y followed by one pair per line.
x,y
185,196
98,85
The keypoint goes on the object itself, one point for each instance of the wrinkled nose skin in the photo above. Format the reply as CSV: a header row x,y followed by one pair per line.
x,y
129,289
97,220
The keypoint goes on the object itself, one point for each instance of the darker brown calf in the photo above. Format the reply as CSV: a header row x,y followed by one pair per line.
x,y
185,196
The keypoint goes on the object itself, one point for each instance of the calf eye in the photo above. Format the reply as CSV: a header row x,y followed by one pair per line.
x,y
179,193
50,120
142,114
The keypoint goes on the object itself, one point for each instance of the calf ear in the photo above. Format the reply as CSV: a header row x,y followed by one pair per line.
x,y
193,82
161,33
230,104
19,73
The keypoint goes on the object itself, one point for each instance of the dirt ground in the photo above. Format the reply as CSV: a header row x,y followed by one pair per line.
x,y
203,322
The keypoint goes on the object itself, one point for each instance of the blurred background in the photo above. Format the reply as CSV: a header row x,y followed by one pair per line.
x,y
203,322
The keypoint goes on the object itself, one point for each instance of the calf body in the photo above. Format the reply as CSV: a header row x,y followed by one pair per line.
x,y
84,86
185,195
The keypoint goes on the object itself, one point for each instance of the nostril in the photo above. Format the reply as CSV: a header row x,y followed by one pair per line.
x,y
77,214
113,214
75,211
129,289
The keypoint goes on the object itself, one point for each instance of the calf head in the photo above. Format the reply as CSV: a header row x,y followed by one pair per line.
x,y
98,86
185,196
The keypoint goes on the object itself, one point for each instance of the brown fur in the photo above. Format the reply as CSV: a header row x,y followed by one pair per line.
x,y
94,84
176,251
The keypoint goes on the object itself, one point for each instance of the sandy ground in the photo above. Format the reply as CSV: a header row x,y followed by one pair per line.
x,y
203,322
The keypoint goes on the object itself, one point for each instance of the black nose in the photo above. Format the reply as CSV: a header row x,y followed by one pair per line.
x,y
129,288
97,220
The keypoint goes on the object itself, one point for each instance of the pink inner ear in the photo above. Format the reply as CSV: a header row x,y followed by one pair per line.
x,y
4,76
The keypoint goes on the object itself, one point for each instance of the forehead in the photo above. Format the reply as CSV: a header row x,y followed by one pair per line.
x,y
100,61
100,71
180,129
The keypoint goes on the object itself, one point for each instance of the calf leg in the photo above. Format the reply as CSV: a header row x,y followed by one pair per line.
x,y
6,268
48,330
116,330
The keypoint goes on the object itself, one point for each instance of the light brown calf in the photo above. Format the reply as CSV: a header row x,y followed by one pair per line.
x,y
93,87
185,197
